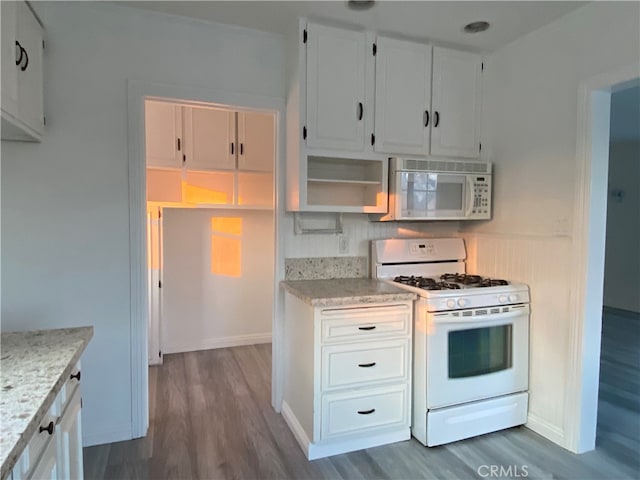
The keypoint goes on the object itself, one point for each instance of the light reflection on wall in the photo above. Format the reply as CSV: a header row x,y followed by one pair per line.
x,y
226,246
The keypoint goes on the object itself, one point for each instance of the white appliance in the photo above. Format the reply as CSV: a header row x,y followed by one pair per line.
x,y
431,189
471,340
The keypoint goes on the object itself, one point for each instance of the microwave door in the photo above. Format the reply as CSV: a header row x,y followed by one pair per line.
x,y
451,192
432,195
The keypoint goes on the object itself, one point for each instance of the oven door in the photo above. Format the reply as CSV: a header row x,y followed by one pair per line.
x,y
475,354
426,195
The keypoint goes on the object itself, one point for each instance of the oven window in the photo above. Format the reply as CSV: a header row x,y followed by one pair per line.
x,y
479,351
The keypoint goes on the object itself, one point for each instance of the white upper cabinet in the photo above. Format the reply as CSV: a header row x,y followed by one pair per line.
x,y
256,141
22,73
210,142
457,82
403,96
335,88
163,139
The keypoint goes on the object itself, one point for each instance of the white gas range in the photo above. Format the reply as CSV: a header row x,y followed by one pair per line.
x,y
471,340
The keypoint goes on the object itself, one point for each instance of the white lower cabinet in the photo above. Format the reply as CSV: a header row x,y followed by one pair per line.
x,y
347,381
55,449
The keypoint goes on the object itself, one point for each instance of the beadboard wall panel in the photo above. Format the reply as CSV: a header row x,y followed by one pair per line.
x,y
359,231
542,262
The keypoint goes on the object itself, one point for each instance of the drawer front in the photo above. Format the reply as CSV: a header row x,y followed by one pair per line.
x,y
364,410
354,365
33,450
365,323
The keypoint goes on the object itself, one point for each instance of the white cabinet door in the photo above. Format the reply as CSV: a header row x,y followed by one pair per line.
x,y
69,437
163,129
335,88
46,466
457,80
256,141
10,56
210,139
30,93
403,97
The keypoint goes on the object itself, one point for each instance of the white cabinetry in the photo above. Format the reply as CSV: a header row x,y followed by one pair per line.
x,y
457,81
331,164
55,449
403,96
348,378
22,73
425,111
209,156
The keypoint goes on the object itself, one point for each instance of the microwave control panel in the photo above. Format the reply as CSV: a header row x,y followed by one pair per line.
x,y
481,197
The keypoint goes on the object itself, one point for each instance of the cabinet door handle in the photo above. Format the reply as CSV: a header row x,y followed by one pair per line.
x,y
367,365
231,148
18,49
436,121
76,376
426,118
372,327
366,412
26,56
242,149
360,110
48,429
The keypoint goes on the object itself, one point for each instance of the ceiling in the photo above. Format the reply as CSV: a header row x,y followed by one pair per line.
x,y
441,22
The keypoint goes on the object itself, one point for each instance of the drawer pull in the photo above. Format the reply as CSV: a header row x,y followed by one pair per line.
x,y
76,376
48,428
372,327
367,365
366,412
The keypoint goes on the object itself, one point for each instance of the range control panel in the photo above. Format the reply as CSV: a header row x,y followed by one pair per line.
x,y
422,247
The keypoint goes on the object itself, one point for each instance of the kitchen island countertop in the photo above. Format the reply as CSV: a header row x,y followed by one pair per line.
x,y
345,291
33,367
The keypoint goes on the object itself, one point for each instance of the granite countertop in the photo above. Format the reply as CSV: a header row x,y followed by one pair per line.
x,y
33,367
345,291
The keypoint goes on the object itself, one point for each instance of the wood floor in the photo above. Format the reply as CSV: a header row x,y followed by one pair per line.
x,y
211,418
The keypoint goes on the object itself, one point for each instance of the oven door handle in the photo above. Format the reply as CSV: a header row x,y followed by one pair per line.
x,y
479,320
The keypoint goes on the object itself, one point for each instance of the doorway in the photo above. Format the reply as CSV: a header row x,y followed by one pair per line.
x,y
137,93
210,230
618,428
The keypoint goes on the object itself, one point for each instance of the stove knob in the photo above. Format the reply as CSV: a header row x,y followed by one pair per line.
x,y
502,299
463,302
451,303
513,298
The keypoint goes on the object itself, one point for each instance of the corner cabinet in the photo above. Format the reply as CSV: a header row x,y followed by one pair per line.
x,y
331,162
22,73
347,384
425,106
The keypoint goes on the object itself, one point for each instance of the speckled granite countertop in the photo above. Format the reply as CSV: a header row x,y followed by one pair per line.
x,y
345,291
33,367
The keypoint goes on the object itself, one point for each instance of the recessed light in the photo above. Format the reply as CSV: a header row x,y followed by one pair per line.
x,y
476,27
360,4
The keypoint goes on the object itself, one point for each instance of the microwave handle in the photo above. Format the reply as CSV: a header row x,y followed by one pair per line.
x,y
470,195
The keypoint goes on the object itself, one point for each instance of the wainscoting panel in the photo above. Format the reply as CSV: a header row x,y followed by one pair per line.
x,y
544,264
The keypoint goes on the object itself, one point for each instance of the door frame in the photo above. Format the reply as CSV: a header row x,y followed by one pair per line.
x,y
589,234
137,92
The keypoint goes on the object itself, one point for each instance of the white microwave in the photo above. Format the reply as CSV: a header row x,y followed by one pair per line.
x,y
433,189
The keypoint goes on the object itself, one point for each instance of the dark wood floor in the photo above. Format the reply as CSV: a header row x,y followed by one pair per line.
x,y
211,417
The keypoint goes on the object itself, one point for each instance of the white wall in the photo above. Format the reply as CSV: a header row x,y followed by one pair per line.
x,y
65,244
214,295
530,123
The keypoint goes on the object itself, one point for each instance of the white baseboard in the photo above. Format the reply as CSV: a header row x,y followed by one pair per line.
x,y
295,427
546,429
222,342
118,434
327,448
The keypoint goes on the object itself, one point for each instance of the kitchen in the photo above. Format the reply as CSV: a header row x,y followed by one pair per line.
x,y
73,186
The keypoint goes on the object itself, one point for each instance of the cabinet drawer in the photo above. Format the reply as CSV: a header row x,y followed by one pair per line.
x,y
362,410
365,323
33,451
353,365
